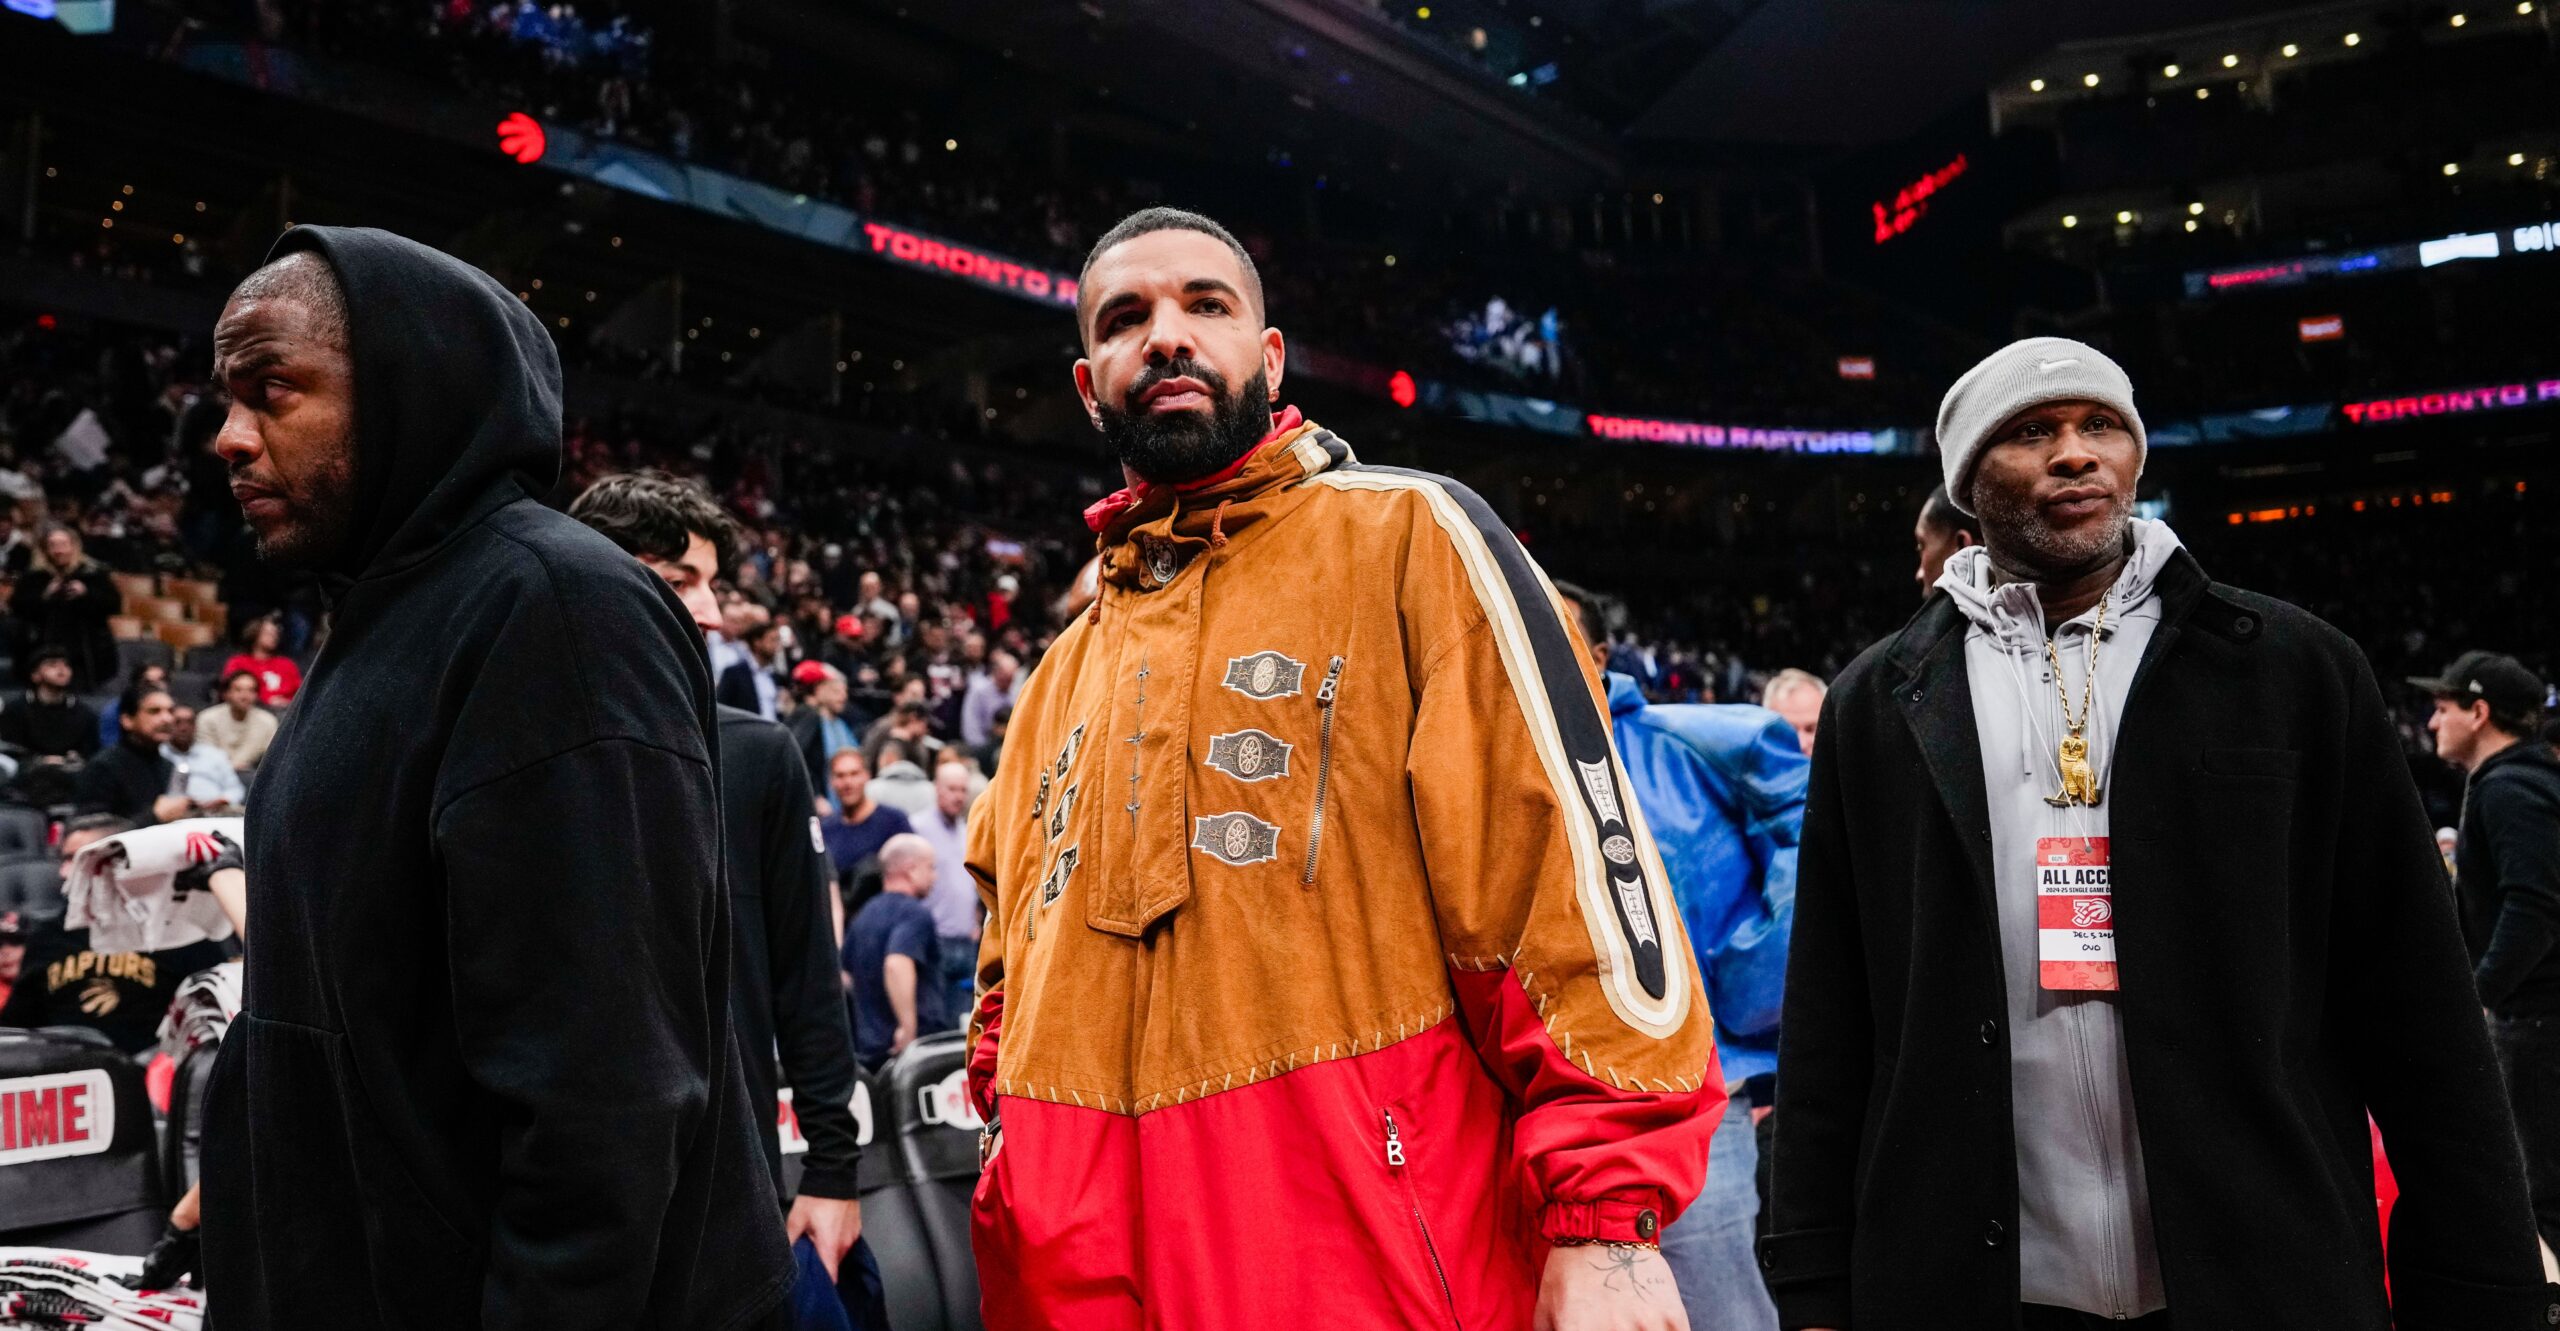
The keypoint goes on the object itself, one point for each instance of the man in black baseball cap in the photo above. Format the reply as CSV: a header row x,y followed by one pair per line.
x,y
2507,874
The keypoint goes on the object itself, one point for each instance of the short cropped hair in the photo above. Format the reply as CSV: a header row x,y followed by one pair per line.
x,y
1587,606
1940,513
1788,681
305,276
1147,221
653,514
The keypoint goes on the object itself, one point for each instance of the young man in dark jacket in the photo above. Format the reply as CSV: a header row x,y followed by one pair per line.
x,y
132,778
2007,1100
788,998
484,1074
2488,712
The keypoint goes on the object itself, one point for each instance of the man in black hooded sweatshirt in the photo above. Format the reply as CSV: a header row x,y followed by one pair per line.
x,y
484,1073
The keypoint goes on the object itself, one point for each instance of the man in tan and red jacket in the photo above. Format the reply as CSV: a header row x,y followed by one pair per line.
x,y
1330,976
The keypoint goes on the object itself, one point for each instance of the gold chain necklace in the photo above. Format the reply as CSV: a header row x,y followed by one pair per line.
x,y
2079,780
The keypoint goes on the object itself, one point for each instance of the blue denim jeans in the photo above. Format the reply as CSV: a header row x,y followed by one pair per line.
x,y
1709,1246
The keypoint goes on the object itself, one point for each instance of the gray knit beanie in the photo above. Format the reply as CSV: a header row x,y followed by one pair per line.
x,y
2023,374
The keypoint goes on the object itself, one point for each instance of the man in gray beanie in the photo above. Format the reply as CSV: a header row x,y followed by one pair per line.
x,y
2009,1101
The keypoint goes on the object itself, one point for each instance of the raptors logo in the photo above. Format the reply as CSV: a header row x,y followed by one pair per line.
x,y
2090,912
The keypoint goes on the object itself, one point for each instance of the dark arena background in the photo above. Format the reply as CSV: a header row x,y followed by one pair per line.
x,y
1676,286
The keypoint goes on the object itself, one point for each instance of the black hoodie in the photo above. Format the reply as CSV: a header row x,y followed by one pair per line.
x,y
2507,872
484,1075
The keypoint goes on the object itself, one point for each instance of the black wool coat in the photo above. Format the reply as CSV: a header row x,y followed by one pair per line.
x,y
2289,961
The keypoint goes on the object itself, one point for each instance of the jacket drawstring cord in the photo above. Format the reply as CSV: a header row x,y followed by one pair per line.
x,y
1218,526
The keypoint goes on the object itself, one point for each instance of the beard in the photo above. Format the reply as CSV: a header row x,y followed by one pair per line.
x,y
317,522
1174,447
2013,524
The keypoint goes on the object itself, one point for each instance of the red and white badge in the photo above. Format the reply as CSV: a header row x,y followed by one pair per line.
x,y
2075,914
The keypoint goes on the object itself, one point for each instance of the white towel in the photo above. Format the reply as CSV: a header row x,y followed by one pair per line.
x,y
123,889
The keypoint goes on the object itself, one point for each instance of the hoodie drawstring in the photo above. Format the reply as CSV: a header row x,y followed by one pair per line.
x,y
1218,526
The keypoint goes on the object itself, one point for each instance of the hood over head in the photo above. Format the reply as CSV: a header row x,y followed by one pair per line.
x,y
457,392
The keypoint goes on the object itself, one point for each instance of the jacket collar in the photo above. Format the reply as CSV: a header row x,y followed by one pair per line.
x,y
1934,692
1624,696
1148,534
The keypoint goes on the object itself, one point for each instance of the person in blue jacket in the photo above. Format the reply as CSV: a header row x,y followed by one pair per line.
x,y
1723,788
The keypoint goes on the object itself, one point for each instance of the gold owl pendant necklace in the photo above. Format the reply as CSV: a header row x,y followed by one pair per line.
x,y
2079,779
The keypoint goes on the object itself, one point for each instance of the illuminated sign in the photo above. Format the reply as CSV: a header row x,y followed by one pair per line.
x,y
1400,389
900,245
2453,402
2323,328
1911,202
520,137
1857,367
1695,435
2539,237
2451,248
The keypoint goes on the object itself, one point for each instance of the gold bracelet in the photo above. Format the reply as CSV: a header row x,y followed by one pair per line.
x,y
1606,1243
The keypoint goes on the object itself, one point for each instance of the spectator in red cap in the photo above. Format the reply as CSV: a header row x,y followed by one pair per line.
x,y
819,726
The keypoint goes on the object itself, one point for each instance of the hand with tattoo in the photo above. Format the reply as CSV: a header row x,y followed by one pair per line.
x,y
1609,1287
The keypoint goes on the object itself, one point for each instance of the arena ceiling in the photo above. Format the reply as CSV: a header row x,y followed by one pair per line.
x,y
1853,73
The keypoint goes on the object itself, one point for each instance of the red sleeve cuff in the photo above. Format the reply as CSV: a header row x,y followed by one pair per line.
x,y
1629,1215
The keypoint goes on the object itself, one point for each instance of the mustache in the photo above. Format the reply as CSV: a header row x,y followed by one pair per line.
x,y
1180,367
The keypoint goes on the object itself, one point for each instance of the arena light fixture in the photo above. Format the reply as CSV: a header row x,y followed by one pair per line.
x,y
2524,6
2230,62
2355,38
2069,221
2291,50
2195,209
1657,198
1423,13
2168,71
2460,19
2035,85
2453,168
951,145
2124,217
2191,224
2088,80
520,137
2203,93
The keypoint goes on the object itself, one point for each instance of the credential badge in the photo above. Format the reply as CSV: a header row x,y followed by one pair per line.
x,y
1265,675
1631,898
1604,795
1235,838
1249,755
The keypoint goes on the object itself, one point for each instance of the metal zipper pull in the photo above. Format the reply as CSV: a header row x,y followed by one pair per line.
x,y
1395,1143
1324,767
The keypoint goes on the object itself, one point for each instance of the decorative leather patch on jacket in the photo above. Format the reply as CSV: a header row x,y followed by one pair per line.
x,y
1249,755
1264,676
1235,838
